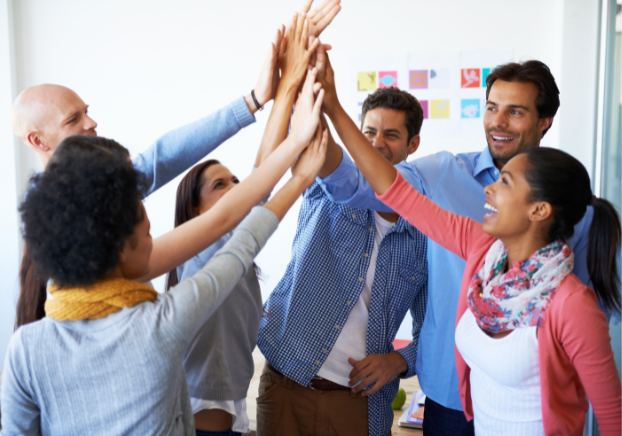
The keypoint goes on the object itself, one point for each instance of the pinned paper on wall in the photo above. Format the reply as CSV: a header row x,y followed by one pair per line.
x,y
424,106
418,79
440,79
367,81
470,78
485,73
439,109
449,85
470,108
387,79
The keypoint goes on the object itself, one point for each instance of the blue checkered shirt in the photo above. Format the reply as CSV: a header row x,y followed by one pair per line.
x,y
325,278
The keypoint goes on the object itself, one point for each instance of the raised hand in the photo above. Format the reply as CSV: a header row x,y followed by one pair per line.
x,y
307,112
326,77
296,58
268,82
320,17
312,159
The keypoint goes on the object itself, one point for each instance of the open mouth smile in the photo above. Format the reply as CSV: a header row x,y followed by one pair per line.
x,y
502,138
493,210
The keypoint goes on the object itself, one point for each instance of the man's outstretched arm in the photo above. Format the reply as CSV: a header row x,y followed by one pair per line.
x,y
341,179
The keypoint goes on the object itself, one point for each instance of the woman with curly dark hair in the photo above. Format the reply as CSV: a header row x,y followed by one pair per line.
x,y
107,358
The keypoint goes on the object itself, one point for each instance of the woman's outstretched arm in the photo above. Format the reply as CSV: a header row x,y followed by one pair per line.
x,y
192,237
195,299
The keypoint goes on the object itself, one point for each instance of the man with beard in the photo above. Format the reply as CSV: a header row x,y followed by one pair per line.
x,y
522,100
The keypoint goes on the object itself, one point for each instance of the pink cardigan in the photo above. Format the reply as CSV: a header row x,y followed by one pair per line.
x,y
574,347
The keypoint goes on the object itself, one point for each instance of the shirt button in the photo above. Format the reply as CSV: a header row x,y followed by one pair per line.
x,y
365,255
353,216
337,326
324,350
360,279
317,362
313,368
371,229
412,278
348,302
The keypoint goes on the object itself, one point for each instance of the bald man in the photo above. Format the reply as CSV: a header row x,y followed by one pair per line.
x,y
43,115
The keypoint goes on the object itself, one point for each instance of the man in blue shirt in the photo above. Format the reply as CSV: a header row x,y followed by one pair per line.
x,y
42,116
332,318
522,102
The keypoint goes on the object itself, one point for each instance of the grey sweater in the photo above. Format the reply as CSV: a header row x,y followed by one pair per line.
x,y
122,374
219,363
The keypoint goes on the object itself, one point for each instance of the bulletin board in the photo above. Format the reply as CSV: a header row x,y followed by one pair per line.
x,y
451,86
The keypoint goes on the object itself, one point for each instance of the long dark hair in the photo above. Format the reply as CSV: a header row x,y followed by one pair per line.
x,y
33,282
187,203
561,180
32,292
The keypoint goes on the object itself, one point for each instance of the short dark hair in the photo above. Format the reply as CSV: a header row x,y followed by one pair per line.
x,y
79,212
535,72
394,98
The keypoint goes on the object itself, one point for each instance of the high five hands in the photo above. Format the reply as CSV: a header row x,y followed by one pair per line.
x,y
306,117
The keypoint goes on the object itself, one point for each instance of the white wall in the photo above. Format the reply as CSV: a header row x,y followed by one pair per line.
x,y
146,67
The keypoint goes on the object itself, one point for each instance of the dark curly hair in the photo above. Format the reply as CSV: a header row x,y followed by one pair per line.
x,y
536,72
394,98
79,212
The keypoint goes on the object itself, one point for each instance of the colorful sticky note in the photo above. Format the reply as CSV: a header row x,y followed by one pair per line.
x,y
485,73
367,81
470,108
387,79
470,78
418,79
439,79
439,109
424,106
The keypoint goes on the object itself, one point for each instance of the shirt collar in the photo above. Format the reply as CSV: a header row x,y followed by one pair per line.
x,y
484,162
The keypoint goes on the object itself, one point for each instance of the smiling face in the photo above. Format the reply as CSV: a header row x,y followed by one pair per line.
x,y
386,130
43,116
513,213
69,118
511,121
217,181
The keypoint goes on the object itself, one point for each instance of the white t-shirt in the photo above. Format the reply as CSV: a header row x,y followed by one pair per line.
x,y
505,379
236,408
352,341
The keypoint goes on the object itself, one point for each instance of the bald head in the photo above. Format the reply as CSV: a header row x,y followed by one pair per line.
x,y
43,115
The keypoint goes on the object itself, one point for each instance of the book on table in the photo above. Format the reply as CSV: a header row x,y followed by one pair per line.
x,y
410,418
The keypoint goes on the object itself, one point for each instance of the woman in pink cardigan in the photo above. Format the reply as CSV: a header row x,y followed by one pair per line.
x,y
518,280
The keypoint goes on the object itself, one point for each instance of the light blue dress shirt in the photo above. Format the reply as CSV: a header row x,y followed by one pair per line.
x,y
179,149
456,183
323,281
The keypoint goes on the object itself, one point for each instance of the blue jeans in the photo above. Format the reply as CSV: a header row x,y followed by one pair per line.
x,y
217,433
442,421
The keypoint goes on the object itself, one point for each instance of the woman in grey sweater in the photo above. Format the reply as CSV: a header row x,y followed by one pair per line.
x,y
107,359
219,363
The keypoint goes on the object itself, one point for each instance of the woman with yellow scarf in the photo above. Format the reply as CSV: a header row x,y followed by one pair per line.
x,y
107,359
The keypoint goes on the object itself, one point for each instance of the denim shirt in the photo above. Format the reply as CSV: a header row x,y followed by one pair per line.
x,y
456,183
324,279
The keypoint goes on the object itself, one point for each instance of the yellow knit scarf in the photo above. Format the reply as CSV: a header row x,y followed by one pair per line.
x,y
97,300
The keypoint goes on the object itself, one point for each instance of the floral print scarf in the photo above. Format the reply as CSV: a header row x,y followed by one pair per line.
x,y
519,297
